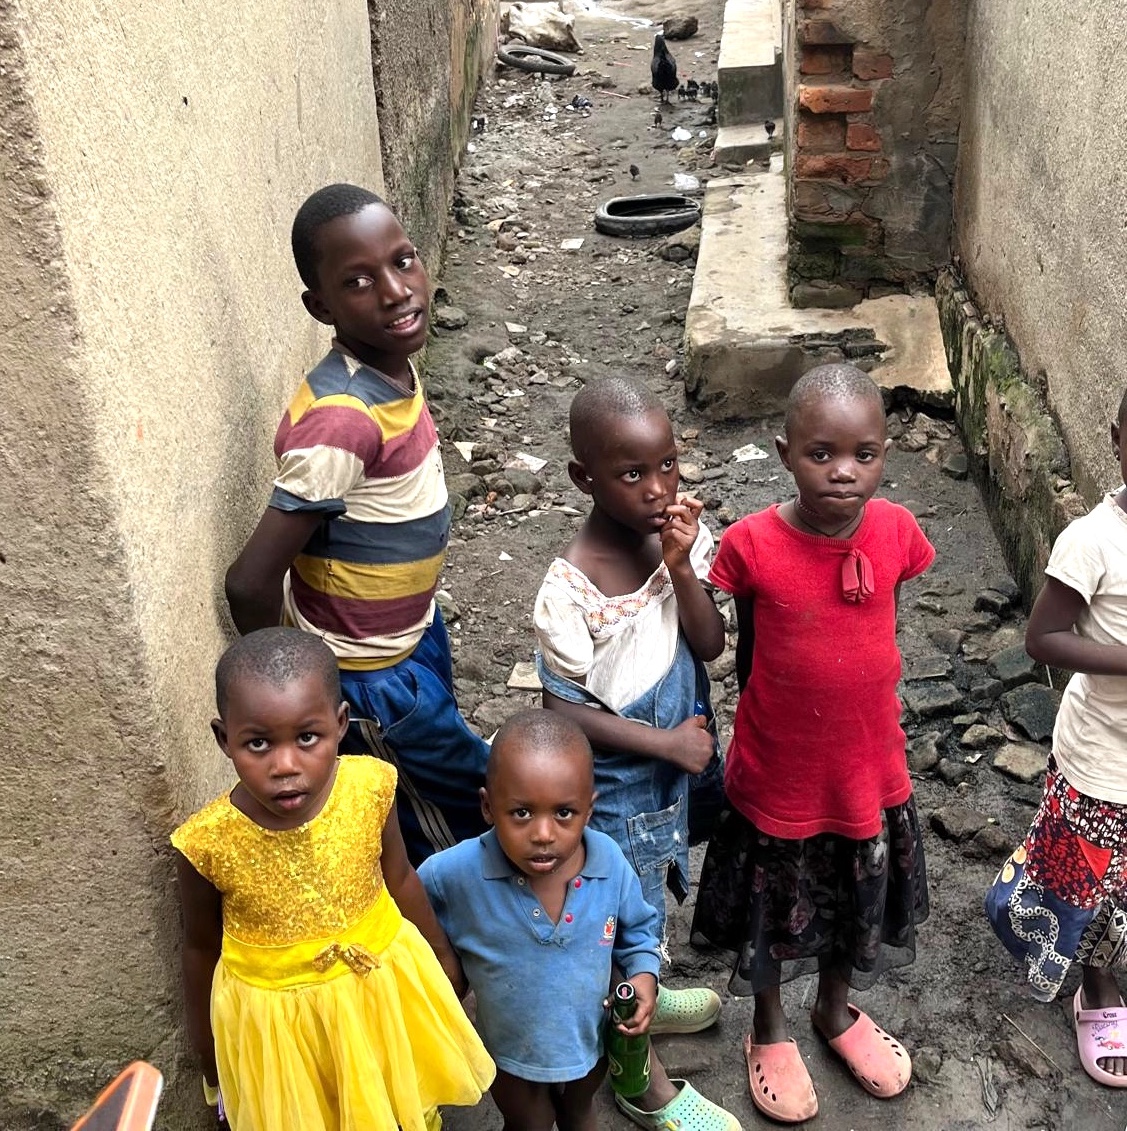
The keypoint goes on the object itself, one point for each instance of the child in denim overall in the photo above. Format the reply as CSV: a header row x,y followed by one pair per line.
x,y
623,624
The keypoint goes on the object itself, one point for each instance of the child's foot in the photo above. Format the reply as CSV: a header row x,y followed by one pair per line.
x,y
1101,1031
878,1061
688,1110
684,1011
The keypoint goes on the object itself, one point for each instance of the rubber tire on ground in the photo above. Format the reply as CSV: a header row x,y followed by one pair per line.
x,y
534,59
649,215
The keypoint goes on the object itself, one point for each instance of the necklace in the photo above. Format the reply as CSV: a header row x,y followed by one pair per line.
x,y
801,510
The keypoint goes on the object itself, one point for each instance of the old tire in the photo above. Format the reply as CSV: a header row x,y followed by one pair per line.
x,y
534,59
649,215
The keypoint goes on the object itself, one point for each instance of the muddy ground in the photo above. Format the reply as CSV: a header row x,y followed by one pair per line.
x,y
986,1055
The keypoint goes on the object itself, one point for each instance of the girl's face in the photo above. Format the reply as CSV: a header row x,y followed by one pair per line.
x,y
835,448
283,743
631,471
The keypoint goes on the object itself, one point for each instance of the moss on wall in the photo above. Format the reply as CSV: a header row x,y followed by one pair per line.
x,y
1016,453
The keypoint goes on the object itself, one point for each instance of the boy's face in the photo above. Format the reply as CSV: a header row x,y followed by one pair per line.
x,y
835,448
283,744
631,471
371,285
539,801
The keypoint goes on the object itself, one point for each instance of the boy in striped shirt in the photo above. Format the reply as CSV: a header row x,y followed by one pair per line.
x,y
352,542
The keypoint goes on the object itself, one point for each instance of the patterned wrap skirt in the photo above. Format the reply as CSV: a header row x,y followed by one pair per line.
x,y
1062,896
786,908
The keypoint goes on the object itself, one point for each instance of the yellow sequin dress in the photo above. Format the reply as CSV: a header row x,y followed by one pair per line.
x,y
329,1009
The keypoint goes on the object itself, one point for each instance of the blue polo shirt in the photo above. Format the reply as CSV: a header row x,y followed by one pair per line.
x,y
540,985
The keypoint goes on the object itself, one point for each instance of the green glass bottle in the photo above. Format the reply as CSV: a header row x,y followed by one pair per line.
x,y
628,1057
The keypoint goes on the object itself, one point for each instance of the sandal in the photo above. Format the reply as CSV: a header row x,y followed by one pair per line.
x,y
688,1110
780,1085
684,1011
1100,1033
879,1062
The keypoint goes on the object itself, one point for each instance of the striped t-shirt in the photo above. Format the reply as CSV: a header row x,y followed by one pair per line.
x,y
356,448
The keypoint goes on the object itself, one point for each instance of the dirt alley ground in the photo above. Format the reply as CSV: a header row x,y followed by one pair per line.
x,y
986,1055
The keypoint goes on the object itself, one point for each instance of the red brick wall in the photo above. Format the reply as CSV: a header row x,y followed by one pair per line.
x,y
853,165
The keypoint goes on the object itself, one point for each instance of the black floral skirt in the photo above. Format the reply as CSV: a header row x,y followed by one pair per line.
x,y
786,908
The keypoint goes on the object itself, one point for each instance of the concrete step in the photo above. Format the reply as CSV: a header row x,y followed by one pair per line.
x,y
745,345
750,71
737,145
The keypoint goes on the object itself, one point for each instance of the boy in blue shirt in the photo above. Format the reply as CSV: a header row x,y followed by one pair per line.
x,y
543,912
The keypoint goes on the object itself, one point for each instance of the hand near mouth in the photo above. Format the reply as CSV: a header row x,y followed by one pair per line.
x,y
680,531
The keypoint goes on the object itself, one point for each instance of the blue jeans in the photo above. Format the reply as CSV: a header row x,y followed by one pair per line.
x,y
644,803
407,714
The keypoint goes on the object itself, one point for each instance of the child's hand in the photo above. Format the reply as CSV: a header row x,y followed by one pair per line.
x,y
690,745
645,995
680,532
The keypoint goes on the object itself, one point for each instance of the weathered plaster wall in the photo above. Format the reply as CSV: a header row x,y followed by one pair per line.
x,y
152,157
874,88
427,56
1041,206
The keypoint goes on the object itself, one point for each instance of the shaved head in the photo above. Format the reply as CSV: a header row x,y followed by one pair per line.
x,y
539,733
599,402
831,382
277,656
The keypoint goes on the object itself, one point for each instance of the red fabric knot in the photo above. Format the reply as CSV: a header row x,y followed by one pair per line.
x,y
856,577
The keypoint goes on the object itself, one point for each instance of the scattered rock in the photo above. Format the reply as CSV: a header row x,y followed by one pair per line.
x,y
928,667
989,843
523,481
1020,1055
947,640
493,712
679,27
968,720
894,427
691,473
448,607
979,737
1013,666
957,822
1021,761
923,752
953,772
912,442
978,623
955,465
449,317
499,484
524,677
985,690
1032,708
466,484
681,246
930,699
933,429
723,666
929,603
991,601
927,1063
1008,587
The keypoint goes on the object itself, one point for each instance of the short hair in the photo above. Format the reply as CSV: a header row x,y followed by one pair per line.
x,y
836,381
538,731
277,656
1122,409
600,400
326,204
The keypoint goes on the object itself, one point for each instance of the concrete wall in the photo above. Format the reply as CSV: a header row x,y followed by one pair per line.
x,y
1040,202
875,88
427,57
152,157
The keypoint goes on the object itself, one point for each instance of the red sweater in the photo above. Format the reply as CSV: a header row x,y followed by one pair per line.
x,y
817,746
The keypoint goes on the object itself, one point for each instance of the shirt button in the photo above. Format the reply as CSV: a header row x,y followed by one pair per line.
x,y
568,917
520,881
578,882
536,912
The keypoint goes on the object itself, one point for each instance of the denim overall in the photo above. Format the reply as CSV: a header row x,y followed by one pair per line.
x,y
644,803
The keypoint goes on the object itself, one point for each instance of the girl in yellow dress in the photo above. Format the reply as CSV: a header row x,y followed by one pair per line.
x,y
331,986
